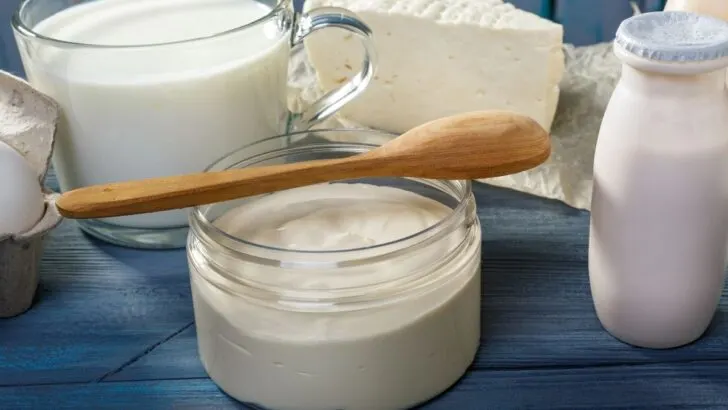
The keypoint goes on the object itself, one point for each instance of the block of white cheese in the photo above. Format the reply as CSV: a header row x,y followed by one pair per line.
x,y
441,57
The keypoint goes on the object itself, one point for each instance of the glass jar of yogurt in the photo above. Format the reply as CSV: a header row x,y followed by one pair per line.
x,y
350,295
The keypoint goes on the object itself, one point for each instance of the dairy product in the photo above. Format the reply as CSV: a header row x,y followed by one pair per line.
x,y
658,222
438,58
141,112
715,8
320,326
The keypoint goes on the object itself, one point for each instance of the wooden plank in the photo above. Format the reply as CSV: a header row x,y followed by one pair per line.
x,y
593,21
176,358
98,307
540,7
679,385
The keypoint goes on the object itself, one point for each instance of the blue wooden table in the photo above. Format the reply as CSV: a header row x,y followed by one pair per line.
x,y
113,327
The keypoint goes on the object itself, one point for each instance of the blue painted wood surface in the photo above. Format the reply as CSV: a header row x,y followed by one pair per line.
x,y
591,21
543,8
113,329
679,386
587,22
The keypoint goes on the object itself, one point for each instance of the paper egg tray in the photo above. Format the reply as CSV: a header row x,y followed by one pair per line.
x,y
20,257
28,123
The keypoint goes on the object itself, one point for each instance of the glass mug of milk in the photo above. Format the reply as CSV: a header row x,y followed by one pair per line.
x,y
151,88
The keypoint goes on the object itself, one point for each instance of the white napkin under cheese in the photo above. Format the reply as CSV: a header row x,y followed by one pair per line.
x,y
591,74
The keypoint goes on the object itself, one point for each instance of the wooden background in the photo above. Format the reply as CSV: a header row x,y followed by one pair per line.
x,y
585,21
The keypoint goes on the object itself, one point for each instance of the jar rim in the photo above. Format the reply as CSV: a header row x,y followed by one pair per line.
x,y
198,217
22,28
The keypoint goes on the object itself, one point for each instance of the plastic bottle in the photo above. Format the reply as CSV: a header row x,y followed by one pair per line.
x,y
657,243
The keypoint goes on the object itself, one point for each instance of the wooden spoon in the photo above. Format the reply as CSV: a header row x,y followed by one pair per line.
x,y
466,146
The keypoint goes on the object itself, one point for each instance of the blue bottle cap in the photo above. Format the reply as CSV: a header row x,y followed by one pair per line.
x,y
674,36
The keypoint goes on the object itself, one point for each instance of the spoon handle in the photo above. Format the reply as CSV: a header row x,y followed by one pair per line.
x,y
182,191
464,146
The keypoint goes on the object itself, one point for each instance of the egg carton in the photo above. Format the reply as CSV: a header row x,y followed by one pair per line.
x,y
28,123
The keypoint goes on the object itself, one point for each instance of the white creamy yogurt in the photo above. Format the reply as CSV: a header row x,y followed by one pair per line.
x,y
295,336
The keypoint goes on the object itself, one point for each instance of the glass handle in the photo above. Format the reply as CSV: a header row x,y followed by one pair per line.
x,y
332,101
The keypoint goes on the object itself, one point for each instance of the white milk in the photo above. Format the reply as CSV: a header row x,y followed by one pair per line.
x,y
133,113
659,222
384,335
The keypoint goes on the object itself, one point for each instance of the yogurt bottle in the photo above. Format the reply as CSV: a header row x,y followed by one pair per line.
x,y
657,240
715,8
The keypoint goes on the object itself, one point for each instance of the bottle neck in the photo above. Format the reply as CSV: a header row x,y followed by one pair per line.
x,y
671,85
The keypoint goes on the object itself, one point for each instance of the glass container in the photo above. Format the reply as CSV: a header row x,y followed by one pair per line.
x,y
387,327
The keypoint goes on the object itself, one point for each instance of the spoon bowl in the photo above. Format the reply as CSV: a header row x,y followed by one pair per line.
x,y
466,146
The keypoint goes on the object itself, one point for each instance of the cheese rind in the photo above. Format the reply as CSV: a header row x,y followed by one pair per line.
x,y
443,57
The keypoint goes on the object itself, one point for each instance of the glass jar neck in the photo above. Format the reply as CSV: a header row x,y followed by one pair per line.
x,y
661,84
348,280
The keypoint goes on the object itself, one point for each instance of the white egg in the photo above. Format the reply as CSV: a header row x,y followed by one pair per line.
x,y
21,196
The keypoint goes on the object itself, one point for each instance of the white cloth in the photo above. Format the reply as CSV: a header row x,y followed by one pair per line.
x,y
591,75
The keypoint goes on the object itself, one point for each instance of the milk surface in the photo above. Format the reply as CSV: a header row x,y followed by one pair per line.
x,y
136,112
